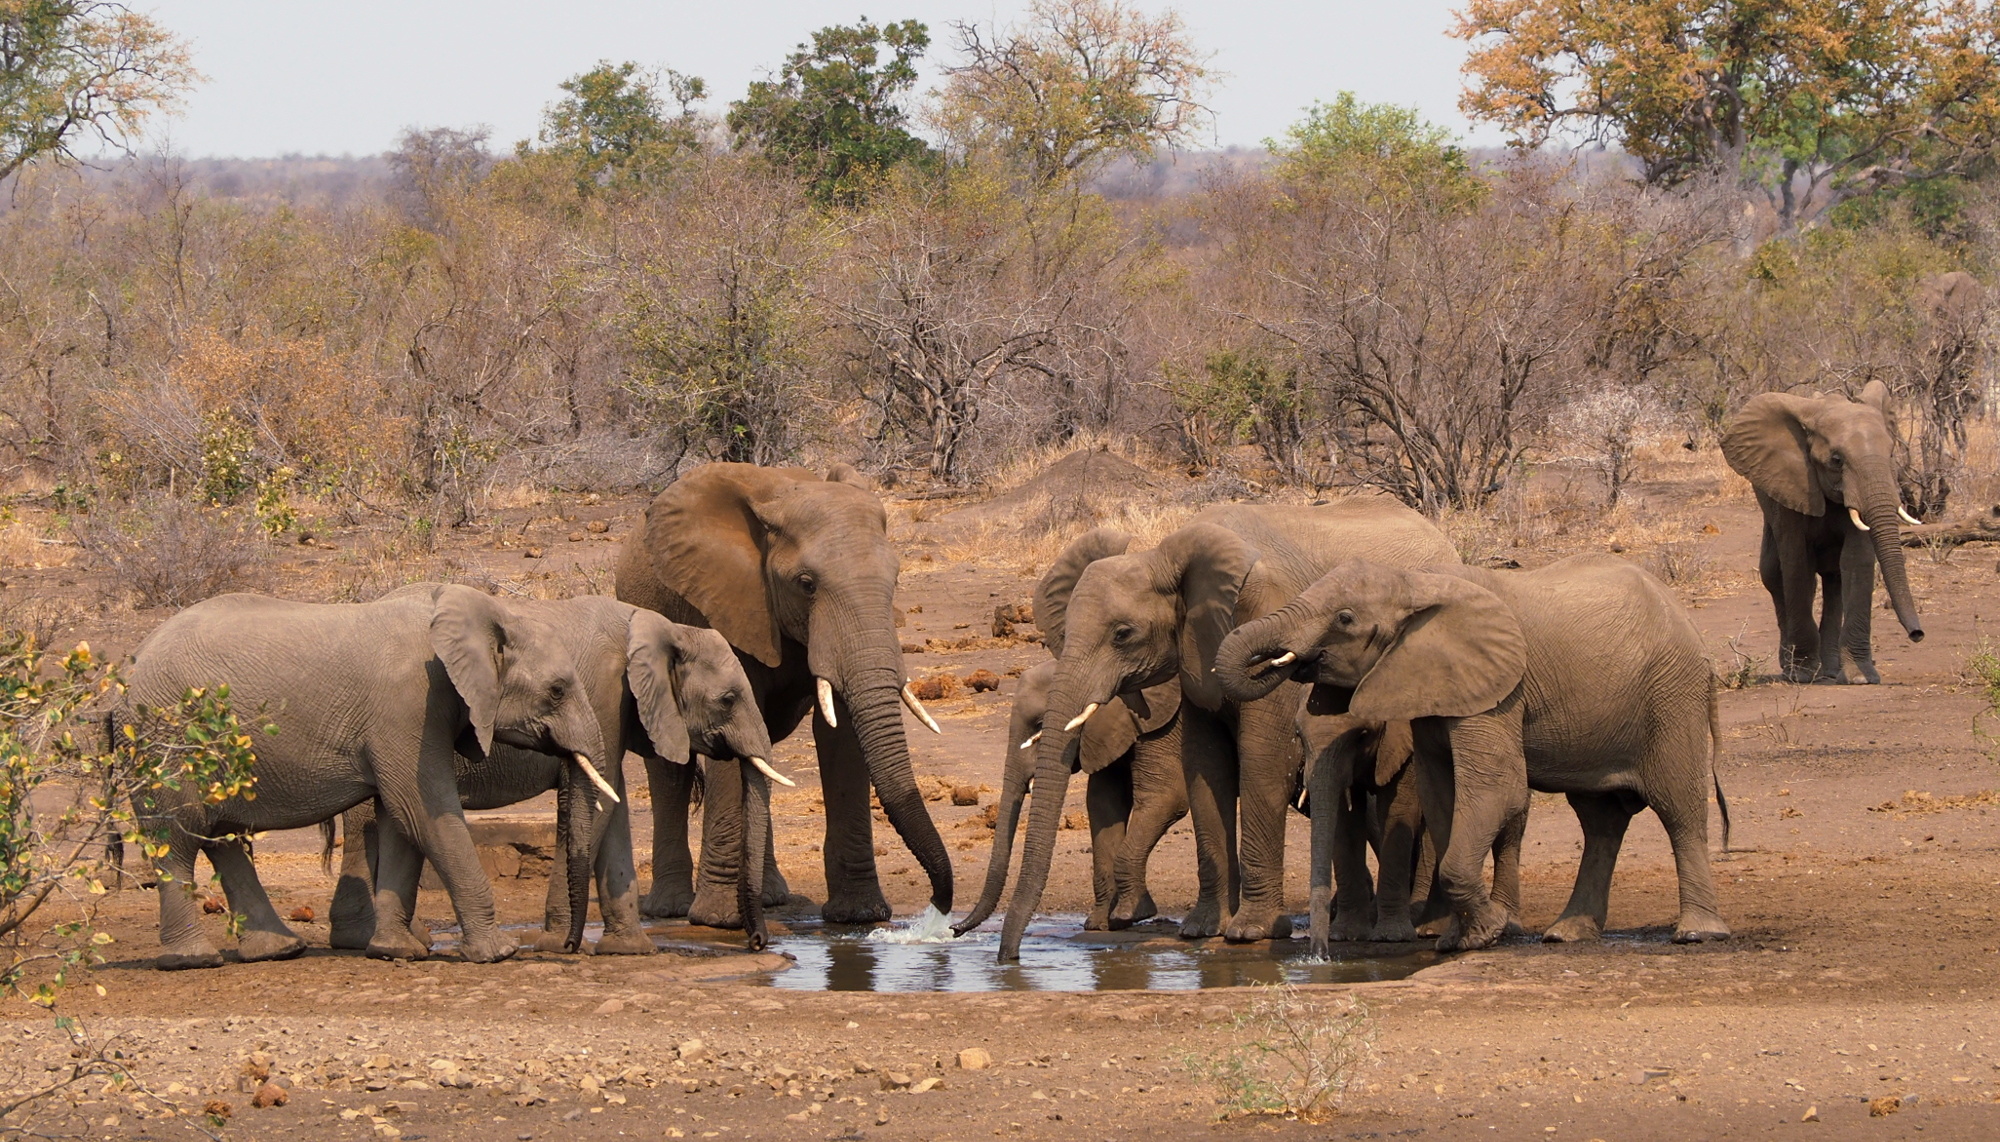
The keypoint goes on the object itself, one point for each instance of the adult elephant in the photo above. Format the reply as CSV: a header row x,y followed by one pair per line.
x,y
1131,622
1826,481
658,689
371,699
798,574
1511,685
1135,794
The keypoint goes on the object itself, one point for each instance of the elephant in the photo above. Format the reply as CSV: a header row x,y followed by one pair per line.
x,y
371,699
658,689
798,574
1133,622
1135,794
1804,454
1585,677
1361,790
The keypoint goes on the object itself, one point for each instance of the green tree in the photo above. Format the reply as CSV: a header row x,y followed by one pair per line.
x,y
613,124
832,115
69,68
1378,148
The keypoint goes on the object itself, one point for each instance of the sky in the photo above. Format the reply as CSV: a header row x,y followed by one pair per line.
x,y
310,77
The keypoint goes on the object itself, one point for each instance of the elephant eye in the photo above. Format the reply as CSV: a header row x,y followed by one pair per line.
x,y
1835,460
558,691
1345,618
807,583
1122,635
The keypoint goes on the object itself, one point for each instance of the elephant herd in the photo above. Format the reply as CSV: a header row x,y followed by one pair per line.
x,y
1337,657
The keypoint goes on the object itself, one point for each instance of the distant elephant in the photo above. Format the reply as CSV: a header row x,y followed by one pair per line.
x,y
1362,793
659,690
1804,454
798,574
1135,794
1585,677
1131,622
369,700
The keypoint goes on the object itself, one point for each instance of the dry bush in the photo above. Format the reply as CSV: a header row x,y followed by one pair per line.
x,y
168,552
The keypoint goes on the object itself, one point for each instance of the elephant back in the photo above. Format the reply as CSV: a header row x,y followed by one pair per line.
x,y
1299,543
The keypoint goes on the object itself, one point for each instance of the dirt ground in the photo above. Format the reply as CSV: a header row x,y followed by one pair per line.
x,y
1861,890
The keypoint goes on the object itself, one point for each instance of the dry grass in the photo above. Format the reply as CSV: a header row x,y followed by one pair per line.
x,y
23,546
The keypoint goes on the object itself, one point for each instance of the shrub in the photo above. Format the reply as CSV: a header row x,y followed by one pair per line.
x,y
170,553
1295,1055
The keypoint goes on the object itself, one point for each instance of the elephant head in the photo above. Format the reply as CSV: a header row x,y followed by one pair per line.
x,y
693,697
520,687
797,573
1139,627
1382,643
1805,453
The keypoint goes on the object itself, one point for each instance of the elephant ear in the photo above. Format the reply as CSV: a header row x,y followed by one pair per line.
x,y
650,650
1458,652
1875,394
1393,747
1154,706
708,544
1766,442
848,474
469,634
1106,736
1209,564
1052,593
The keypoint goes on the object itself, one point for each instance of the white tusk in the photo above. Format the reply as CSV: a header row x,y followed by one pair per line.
x,y
1032,739
1856,517
596,778
917,708
1284,659
1907,517
764,767
826,702
1081,718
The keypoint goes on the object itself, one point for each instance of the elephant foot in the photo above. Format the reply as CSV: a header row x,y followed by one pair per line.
x,y
350,934
397,946
1143,909
1347,926
190,958
1862,673
1573,929
1204,921
489,949
715,910
1393,930
857,907
1099,919
666,902
1253,924
1699,928
1803,675
1483,931
777,893
625,944
255,946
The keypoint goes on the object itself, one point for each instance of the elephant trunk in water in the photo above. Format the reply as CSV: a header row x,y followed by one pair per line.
x,y
1006,819
1051,778
756,833
873,689
576,822
1877,505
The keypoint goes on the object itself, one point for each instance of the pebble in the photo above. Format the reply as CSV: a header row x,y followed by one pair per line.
x,y
974,1059
692,1051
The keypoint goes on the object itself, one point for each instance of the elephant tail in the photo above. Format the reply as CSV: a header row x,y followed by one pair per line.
x,y
1715,757
326,846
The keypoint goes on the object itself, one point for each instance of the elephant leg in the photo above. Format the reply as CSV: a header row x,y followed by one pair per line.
x,y
351,918
1346,809
1159,799
434,821
1434,915
1107,802
714,903
1604,817
1830,614
1402,825
673,786
1788,558
618,888
1267,754
1490,785
1856,642
264,936
1683,809
1507,870
775,892
853,888
1324,799
183,942
1208,767
398,867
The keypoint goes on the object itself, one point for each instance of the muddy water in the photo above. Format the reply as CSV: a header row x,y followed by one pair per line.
x,y
1058,955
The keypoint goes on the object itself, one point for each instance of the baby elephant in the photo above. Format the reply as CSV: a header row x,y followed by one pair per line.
x,y
1584,678
369,700
658,689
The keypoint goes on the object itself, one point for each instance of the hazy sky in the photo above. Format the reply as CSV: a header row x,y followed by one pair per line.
x,y
308,77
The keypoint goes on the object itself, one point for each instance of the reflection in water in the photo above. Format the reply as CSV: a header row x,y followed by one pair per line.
x,y
1060,956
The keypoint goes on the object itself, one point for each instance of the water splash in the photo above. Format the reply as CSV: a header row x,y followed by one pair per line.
x,y
933,927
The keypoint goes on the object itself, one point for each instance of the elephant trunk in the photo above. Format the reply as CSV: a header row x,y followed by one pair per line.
x,y
1244,663
1006,819
873,689
1051,778
756,835
1879,510
576,823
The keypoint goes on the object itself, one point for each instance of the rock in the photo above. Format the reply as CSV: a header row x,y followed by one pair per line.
x,y
532,553
216,1108
895,1080
576,537
692,1051
881,1116
530,1095
213,905
927,1084
380,1062
1811,1114
982,682
269,1095
965,794
597,527
300,915
863,1067
974,1059
609,1007
914,648
1885,1106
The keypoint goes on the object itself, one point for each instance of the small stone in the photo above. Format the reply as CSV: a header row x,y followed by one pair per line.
x,y
576,537
269,1095
881,1116
965,794
974,1059
1885,1106
1811,1114
610,1007
303,914
862,1067
927,1084
597,527
693,1051
532,553
216,1108
894,1080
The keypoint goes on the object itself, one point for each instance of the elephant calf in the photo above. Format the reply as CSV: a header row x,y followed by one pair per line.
x,y
370,699
658,689
1585,677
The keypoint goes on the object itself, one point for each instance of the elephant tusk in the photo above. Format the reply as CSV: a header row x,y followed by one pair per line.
x,y
1856,517
1081,718
596,778
764,767
1285,659
1907,517
917,708
826,702
1032,739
